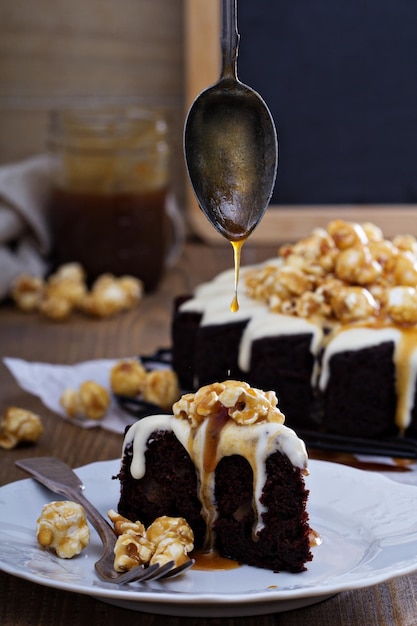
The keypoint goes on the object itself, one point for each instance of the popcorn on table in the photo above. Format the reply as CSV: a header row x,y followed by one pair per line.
x,y
19,426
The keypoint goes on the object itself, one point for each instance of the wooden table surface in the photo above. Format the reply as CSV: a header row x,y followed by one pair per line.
x,y
141,331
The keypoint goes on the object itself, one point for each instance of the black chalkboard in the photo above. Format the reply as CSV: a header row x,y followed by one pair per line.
x,y
340,79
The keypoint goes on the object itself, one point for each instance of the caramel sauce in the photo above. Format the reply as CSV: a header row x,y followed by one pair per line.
x,y
212,561
215,426
404,351
402,360
121,232
401,465
237,248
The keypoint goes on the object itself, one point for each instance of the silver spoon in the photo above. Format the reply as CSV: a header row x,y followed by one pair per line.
x,y
231,149
230,145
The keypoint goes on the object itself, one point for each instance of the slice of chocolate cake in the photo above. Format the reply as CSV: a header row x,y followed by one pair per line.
x,y
226,463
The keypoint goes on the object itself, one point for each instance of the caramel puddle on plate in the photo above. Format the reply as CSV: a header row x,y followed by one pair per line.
x,y
212,561
237,248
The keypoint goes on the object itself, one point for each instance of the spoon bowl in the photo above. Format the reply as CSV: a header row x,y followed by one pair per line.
x,y
231,146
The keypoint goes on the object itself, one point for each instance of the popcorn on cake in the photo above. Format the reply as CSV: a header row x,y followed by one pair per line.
x,y
19,426
340,274
62,526
244,404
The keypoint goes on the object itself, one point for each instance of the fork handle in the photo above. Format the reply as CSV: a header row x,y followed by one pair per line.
x,y
59,478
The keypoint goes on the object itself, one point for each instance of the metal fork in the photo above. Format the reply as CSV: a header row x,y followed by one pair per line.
x,y
59,478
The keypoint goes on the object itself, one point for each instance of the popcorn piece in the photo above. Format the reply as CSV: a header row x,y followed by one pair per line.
x,y
55,308
19,426
351,304
131,550
70,402
27,292
347,234
161,388
110,295
72,290
356,265
173,539
132,546
91,400
171,527
406,243
133,288
127,377
170,549
122,525
62,526
245,404
404,269
402,305
69,271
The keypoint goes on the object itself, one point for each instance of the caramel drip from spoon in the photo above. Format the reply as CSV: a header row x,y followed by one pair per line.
x,y
237,248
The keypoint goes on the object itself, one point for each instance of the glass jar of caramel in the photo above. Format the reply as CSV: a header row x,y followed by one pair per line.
x,y
108,207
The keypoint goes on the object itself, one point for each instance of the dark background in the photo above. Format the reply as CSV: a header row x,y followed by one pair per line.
x,y
340,79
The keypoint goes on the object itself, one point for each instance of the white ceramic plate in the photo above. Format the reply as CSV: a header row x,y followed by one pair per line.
x,y
367,523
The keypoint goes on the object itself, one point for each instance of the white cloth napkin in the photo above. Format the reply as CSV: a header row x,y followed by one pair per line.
x,y
49,381
24,237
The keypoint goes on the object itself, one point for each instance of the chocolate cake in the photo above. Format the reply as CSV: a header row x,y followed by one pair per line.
x,y
226,463
330,325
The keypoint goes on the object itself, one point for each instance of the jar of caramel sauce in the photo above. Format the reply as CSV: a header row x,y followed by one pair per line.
x,y
107,209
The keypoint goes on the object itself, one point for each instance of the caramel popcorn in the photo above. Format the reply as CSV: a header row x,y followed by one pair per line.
x,y
66,291
351,304
165,527
347,234
110,295
342,274
55,308
161,388
244,404
166,539
122,525
127,377
69,271
67,284
402,305
19,426
91,400
27,292
62,526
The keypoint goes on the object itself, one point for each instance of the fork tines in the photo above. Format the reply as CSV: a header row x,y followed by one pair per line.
x,y
153,572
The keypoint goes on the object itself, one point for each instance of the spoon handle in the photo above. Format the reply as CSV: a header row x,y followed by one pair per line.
x,y
229,39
